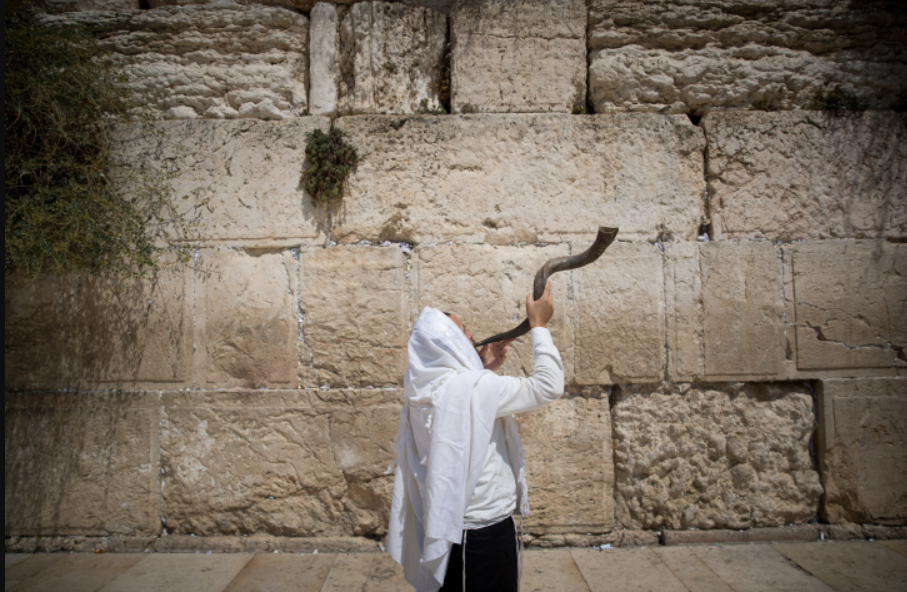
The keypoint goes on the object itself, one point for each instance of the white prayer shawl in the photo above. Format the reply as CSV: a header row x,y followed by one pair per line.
x,y
443,390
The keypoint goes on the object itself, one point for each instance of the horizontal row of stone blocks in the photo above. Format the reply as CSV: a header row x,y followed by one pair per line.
x,y
226,60
511,179
339,316
311,463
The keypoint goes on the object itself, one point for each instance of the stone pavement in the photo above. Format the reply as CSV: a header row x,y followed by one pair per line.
x,y
795,567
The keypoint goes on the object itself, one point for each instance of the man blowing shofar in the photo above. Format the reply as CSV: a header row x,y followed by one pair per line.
x,y
460,476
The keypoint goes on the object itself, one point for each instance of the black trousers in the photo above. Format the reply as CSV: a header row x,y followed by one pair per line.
x,y
492,561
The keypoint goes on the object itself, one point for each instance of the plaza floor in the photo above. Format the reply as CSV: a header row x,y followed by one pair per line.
x,y
795,567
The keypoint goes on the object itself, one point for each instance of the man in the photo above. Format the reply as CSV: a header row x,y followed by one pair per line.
x,y
460,475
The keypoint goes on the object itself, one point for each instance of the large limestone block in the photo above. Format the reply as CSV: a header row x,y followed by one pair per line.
x,y
818,26
525,56
38,333
863,450
71,331
324,58
486,287
391,58
620,317
850,304
300,5
81,464
802,175
684,333
246,314
569,466
353,308
220,60
742,311
704,80
701,55
723,456
238,182
136,331
522,178
283,463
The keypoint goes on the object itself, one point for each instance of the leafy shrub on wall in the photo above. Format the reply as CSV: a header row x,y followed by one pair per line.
x,y
65,203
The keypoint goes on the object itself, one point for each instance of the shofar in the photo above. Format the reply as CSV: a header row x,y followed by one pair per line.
x,y
604,239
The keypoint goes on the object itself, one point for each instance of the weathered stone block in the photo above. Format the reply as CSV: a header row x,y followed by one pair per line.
x,y
38,333
324,58
569,466
352,302
300,5
685,339
525,56
863,450
714,457
682,56
81,464
850,302
803,175
486,287
239,180
620,317
247,318
391,58
221,60
72,331
743,311
284,463
522,178
135,331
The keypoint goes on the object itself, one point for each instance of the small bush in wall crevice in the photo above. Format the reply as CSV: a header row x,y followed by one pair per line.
x,y
329,161
837,102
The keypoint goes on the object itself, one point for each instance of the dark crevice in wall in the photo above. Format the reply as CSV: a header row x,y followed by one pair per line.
x,y
694,119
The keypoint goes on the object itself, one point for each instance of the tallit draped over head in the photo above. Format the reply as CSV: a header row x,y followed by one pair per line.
x,y
445,429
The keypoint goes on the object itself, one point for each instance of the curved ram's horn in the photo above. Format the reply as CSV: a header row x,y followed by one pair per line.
x,y
605,237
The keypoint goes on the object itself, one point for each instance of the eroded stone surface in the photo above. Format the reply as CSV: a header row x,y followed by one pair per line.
x,y
682,56
743,311
237,181
81,464
526,56
38,335
522,178
863,449
84,331
803,175
850,302
247,318
486,287
683,312
132,331
324,62
285,463
391,58
569,466
620,317
720,456
220,60
353,311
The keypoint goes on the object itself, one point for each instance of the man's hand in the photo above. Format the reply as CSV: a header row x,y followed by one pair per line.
x,y
540,311
494,354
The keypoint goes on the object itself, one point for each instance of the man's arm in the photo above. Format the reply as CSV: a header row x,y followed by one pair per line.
x,y
547,381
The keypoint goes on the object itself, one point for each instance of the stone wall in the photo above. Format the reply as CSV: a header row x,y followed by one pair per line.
x,y
758,287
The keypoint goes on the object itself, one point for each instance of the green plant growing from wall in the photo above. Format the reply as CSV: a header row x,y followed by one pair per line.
x,y
65,203
838,102
330,159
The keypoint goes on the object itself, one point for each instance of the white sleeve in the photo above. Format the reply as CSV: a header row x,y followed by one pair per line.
x,y
544,386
